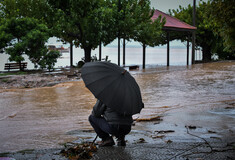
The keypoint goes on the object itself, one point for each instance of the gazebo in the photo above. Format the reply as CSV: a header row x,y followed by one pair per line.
x,y
173,24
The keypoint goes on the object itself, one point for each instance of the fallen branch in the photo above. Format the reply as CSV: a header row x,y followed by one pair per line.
x,y
206,142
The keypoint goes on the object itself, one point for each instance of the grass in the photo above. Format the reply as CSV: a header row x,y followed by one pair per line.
x,y
13,73
5,154
26,151
4,80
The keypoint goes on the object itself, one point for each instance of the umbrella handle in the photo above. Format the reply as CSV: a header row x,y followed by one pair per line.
x,y
94,140
124,72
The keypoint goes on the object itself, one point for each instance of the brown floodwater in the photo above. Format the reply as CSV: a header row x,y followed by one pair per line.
x,y
43,117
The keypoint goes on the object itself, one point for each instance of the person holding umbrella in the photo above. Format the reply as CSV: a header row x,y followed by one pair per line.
x,y
106,122
118,97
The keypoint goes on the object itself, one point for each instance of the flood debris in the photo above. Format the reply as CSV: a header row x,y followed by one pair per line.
x,y
233,107
141,140
169,141
215,137
209,131
35,80
79,151
12,116
164,131
191,127
161,136
156,118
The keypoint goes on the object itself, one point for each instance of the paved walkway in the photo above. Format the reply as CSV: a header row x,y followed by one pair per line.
x,y
205,150
164,151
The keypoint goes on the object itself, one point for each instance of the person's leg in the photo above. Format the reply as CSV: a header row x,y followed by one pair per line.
x,y
120,132
102,128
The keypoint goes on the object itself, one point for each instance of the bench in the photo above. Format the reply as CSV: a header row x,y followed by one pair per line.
x,y
9,66
133,67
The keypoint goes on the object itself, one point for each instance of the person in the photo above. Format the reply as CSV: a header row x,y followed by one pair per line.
x,y
107,123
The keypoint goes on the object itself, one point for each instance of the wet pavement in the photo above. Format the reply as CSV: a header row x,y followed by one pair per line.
x,y
200,97
157,151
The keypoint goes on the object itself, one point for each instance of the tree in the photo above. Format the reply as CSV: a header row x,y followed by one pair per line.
x,y
205,37
37,9
149,32
223,22
214,22
100,21
32,23
20,36
88,23
130,14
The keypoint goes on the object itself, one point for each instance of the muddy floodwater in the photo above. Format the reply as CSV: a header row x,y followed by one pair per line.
x,y
44,117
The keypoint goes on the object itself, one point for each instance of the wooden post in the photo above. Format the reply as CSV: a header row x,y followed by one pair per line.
x,y
100,50
119,9
119,51
188,50
194,34
144,49
71,54
124,51
168,48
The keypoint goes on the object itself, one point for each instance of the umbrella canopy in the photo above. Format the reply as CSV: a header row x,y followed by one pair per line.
x,y
114,86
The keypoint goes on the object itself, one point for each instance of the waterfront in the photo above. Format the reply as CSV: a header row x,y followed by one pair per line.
x,y
202,95
154,56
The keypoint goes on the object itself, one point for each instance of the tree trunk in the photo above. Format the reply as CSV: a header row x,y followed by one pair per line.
x,y
119,39
71,54
87,52
100,51
144,55
206,52
124,52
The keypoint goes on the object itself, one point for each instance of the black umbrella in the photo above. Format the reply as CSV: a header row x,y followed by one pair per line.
x,y
114,86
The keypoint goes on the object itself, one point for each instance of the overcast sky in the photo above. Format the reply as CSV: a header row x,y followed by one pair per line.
x,y
165,5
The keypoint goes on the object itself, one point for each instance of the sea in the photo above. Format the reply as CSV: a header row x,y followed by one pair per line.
x,y
134,55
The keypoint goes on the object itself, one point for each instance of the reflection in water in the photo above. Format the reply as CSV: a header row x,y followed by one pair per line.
x,y
40,118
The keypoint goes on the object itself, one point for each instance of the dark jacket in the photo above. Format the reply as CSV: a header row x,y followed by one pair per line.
x,y
111,116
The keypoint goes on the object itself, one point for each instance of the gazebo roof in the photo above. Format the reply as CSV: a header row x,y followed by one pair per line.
x,y
173,23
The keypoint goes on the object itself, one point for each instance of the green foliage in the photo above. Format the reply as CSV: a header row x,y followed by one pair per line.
x,y
26,36
81,22
134,22
13,73
204,34
215,27
150,33
101,21
223,21
87,23
49,59
37,9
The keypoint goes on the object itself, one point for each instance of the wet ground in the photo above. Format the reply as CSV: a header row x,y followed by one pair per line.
x,y
194,103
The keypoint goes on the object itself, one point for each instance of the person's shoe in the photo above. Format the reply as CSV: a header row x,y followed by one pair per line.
x,y
107,142
121,141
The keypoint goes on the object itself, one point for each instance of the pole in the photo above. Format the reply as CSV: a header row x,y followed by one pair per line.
x,y
100,47
119,8
194,34
188,51
119,51
124,51
144,53
71,54
168,48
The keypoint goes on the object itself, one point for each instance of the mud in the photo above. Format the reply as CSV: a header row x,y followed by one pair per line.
x,y
202,95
